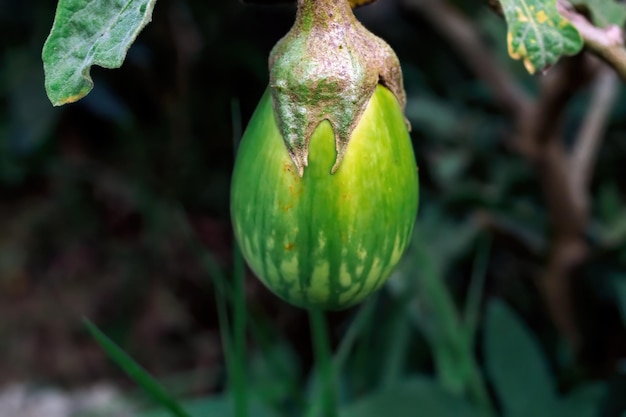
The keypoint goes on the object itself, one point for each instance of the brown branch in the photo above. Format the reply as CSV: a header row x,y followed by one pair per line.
x,y
607,43
541,143
555,285
587,143
539,139
541,133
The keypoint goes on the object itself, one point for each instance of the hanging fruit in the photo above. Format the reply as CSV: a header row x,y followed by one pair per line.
x,y
325,189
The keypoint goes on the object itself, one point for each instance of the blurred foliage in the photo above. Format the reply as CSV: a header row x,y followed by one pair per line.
x,y
116,207
604,12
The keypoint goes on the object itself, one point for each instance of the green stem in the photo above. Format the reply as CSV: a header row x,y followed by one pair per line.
x,y
454,355
398,346
321,346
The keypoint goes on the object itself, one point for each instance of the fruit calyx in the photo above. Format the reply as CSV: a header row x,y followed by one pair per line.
x,y
327,68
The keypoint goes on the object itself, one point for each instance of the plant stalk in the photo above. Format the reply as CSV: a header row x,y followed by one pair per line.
x,y
324,365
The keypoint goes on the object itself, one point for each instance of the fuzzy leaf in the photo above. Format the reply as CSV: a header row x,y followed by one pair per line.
x,y
605,12
538,34
86,33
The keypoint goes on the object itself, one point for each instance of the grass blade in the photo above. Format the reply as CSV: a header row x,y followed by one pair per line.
x,y
394,361
360,322
475,291
238,373
237,356
152,388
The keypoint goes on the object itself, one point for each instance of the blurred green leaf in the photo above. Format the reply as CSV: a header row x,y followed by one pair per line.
x,y
435,117
218,406
136,372
434,249
538,34
527,227
583,402
605,12
450,166
436,316
614,234
609,202
611,219
86,34
516,366
272,385
418,396
31,117
445,239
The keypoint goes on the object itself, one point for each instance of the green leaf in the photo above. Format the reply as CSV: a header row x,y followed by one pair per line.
x,y
516,365
87,33
604,12
418,396
538,34
136,372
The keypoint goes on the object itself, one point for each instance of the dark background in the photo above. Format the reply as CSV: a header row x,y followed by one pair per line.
x,y
105,202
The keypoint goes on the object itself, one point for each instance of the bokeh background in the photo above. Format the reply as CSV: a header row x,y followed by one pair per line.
x,y
116,208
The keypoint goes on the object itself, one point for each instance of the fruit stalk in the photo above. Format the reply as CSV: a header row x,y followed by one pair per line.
x,y
327,68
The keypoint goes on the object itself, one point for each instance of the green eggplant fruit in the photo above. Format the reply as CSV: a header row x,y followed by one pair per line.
x,y
325,240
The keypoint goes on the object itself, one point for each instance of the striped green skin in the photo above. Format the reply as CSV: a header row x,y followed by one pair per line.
x,y
326,240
